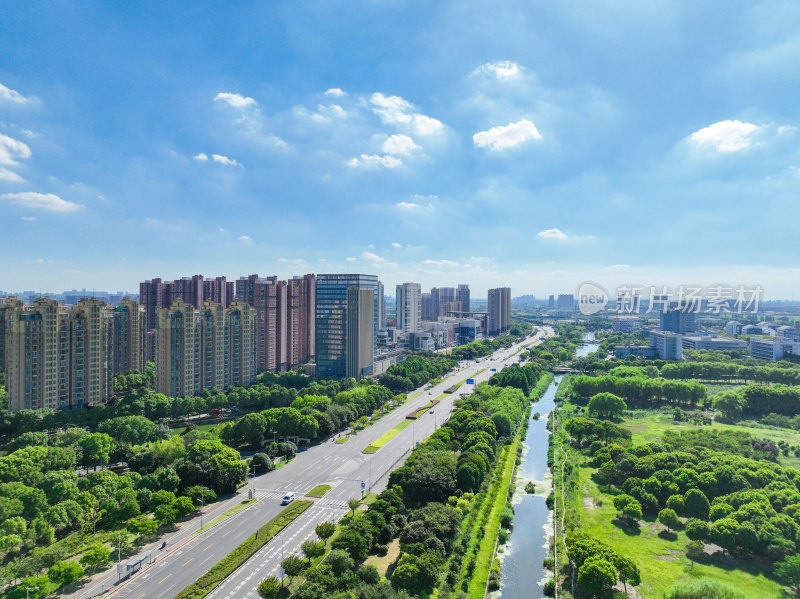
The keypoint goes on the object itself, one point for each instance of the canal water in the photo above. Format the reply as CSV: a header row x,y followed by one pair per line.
x,y
522,572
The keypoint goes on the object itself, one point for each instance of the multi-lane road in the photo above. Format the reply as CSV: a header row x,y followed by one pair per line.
x,y
343,466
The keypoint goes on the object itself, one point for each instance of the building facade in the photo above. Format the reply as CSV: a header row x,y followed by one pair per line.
x,y
668,345
332,320
499,308
58,357
462,296
409,307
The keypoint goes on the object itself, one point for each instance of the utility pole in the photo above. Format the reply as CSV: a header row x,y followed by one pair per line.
x,y
119,554
202,505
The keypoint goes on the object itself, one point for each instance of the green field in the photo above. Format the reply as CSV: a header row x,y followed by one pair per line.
x,y
386,437
652,426
663,562
201,427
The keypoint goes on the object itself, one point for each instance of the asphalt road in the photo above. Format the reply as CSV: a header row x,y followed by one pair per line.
x,y
343,466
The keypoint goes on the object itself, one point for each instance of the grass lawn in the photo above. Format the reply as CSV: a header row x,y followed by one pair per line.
x,y
382,563
227,514
201,427
369,498
386,437
318,491
282,463
414,395
651,428
663,561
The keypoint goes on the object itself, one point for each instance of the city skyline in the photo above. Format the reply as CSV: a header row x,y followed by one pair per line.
x,y
261,138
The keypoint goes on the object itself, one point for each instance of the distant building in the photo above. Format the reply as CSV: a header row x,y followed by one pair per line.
x,y
499,321
360,332
427,307
409,307
381,307
751,329
708,342
773,349
646,352
676,320
566,301
551,302
462,296
733,328
624,324
789,332
668,345
333,326
441,297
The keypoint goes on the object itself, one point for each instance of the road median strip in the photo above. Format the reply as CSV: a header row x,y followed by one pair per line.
x,y
386,437
318,491
225,567
227,514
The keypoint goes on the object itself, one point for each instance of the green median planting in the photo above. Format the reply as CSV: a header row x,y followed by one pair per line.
x,y
211,579
386,437
318,491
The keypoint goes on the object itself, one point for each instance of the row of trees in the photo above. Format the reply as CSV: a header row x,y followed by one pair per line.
x,y
639,389
758,400
730,371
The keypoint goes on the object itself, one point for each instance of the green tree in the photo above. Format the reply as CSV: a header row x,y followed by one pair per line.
x,y
312,549
596,575
183,505
628,571
97,448
63,573
694,551
696,504
353,505
339,561
325,530
166,515
95,554
407,577
261,463
606,406
668,518
788,572
697,530
269,588
632,511
293,566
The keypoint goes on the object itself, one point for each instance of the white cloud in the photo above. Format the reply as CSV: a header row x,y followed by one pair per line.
x,y
45,201
725,136
372,257
389,265
335,92
407,205
552,234
502,70
225,160
351,258
400,144
396,245
10,176
201,157
394,110
28,219
325,113
245,238
507,136
440,263
375,160
235,100
11,150
12,96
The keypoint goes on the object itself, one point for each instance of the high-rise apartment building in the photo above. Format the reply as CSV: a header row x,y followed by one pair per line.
x,y
58,358
212,347
441,297
381,307
499,307
409,307
301,298
427,307
360,332
566,300
462,295
332,329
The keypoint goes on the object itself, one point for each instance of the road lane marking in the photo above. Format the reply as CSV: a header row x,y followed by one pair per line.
x,y
163,579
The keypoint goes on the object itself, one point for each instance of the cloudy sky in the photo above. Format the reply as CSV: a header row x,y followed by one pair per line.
x,y
534,144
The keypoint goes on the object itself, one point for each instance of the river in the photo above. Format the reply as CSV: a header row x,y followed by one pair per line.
x,y
522,573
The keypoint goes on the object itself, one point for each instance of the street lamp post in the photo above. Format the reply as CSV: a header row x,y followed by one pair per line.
x,y
28,591
202,505
119,554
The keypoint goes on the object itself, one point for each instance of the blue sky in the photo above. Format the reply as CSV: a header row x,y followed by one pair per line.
x,y
532,144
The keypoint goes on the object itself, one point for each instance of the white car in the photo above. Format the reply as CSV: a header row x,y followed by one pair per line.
x,y
288,498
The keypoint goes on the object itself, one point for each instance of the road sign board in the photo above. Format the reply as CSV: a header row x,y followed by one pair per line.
x,y
470,381
494,369
363,484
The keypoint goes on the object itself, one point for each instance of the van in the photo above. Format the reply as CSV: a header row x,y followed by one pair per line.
x,y
288,498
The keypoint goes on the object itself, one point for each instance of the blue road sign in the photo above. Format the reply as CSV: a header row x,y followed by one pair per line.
x,y
494,369
363,484
470,381
528,348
